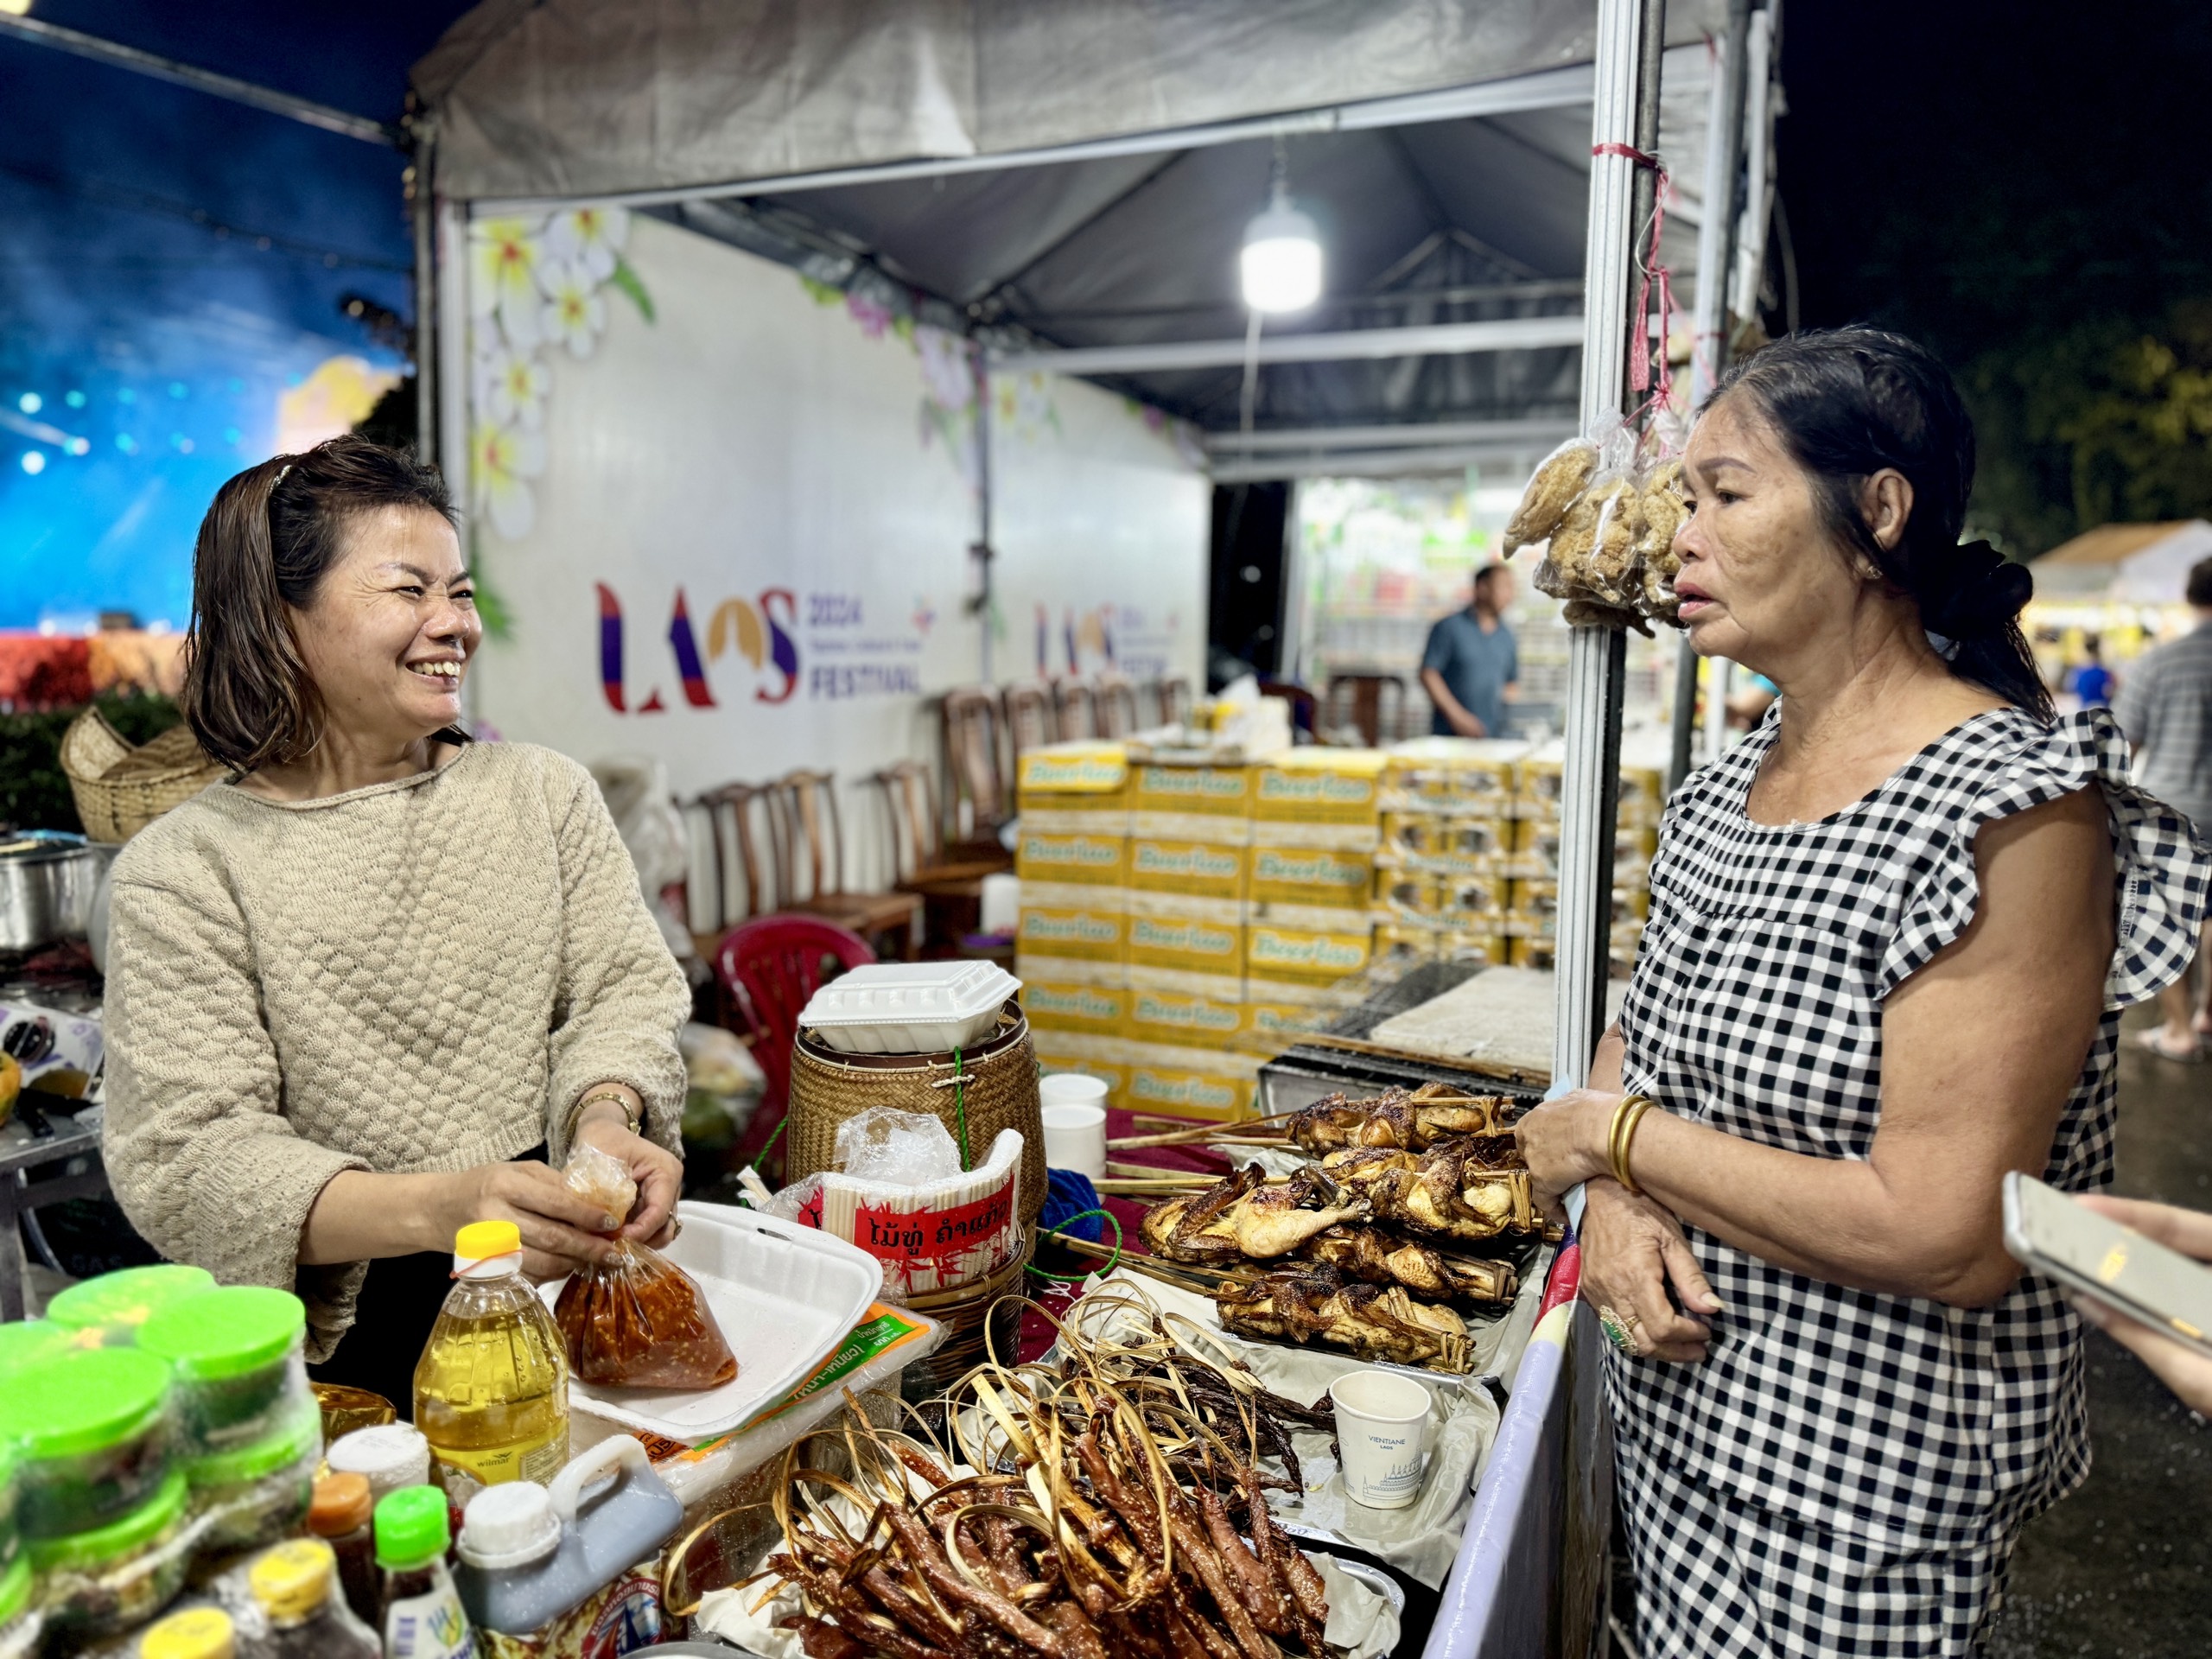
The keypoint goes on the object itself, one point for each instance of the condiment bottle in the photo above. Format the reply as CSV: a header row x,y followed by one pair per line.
x,y
196,1633
492,1387
297,1585
389,1456
423,1617
342,1517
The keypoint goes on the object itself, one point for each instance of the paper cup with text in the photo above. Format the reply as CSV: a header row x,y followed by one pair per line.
x,y
1075,1123
1384,1424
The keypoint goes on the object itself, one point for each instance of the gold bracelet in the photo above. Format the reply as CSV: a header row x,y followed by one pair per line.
x,y
635,1122
1626,1116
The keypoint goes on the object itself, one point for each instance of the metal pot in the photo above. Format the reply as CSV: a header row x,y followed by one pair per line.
x,y
47,882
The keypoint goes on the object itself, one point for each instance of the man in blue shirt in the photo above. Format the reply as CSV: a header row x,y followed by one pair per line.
x,y
1471,669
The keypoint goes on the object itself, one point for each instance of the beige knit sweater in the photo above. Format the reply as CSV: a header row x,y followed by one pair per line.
x,y
423,974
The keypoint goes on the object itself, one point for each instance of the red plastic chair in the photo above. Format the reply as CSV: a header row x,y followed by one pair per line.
x,y
767,970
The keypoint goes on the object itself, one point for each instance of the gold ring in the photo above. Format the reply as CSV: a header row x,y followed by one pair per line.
x,y
1616,1331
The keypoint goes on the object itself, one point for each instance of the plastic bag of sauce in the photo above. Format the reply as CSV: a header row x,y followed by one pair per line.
x,y
638,1321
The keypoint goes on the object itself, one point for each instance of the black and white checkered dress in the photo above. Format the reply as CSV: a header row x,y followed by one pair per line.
x,y
1845,1471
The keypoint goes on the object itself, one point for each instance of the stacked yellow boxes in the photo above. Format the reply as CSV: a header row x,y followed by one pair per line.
x,y
1442,878
1531,921
1190,862
1317,820
1071,949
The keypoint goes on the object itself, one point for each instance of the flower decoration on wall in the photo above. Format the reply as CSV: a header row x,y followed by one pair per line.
x,y
535,284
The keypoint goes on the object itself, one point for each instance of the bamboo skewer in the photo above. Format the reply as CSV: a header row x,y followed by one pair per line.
x,y
1201,1280
1210,1135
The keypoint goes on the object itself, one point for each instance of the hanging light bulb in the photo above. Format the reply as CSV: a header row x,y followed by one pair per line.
x,y
1281,262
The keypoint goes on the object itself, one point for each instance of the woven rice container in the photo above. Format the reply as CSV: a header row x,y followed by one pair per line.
x,y
120,788
996,1080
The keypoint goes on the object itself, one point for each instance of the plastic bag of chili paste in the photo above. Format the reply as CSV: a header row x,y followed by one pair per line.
x,y
638,1321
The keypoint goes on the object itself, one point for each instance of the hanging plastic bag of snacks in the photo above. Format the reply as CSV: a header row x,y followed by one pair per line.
x,y
638,1321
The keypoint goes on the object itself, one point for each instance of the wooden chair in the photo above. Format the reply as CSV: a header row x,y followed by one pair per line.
x,y
1115,700
1032,719
765,971
1078,709
1304,707
1374,703
1175,702
973,719
949,884
809,840
742,886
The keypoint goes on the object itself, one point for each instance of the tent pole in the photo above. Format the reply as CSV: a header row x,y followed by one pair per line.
x,y
1624,113
981,551
1710,334
423,213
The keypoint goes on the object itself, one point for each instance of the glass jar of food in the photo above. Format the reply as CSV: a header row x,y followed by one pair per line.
x,y
258,1493
110,1308
118,1576
25,1340
238,1354
92,1431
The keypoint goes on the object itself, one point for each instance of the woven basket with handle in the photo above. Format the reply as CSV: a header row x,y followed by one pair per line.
x,y
994,1084
121,787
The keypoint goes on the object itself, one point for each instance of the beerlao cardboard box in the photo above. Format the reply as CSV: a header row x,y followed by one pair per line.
x,y
1199,936
1213,1084
1327,878
1074,920
1452,772
1319,785
1295,942
1092,1056
1087,778
1073,1005
1084,857
1193,868
1272,1025
1218,792
1195,1010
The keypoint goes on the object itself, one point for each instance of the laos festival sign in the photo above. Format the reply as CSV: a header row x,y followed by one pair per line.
x,y
726,514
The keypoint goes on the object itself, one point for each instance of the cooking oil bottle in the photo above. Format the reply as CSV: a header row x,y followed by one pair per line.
x,y
492,1387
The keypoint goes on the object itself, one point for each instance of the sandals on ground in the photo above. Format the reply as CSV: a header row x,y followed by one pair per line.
x,y
2155,1039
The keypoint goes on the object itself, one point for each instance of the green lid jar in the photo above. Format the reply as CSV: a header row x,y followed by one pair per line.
x,y
259,1493
239,1357
117,1577
11,1536
115,1305
22,1341
15,1592
413,1528
92,1431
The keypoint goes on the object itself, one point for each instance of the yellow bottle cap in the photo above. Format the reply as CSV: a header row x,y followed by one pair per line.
x,y
196,1633
292,1580
482,1240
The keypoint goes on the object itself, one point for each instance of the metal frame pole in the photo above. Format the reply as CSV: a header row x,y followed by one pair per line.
x,y
1625,112
1711,334
983,553
423,213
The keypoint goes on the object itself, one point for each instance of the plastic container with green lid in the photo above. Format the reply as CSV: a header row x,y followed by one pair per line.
x,y
240,1362
92,1430
11,1532
117,1577
259,1493
115,1305
15,1592
196,1633
22,1341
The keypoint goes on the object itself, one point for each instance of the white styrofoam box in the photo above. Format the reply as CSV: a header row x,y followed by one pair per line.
x,y
910,1007
784,1297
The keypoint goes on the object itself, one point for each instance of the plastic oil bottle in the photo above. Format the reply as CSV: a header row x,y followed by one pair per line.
x,y
492,1387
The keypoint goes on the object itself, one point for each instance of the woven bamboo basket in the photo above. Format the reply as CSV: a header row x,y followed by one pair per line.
x,y
980,1319
121,787
996,1084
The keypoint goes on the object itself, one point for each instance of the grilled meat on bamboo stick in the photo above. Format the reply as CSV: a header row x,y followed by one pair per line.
x,y
1382,1258
1468,1190
1308,1301
1239,1218
1411,1123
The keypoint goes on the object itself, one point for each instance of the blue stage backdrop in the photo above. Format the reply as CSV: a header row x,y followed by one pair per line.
x,y
173,279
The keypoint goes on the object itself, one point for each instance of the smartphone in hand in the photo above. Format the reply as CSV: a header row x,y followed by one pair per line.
x,y
2046,1230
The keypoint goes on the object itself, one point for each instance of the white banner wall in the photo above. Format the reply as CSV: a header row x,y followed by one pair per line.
x,y
729,514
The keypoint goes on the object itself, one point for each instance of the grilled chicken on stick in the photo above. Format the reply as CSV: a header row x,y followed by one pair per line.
x,y
1381,1258
1309,1301
1239,1218
1411,1123
1468,1190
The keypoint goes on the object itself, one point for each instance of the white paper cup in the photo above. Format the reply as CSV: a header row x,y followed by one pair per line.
x,y
1075,1123
1384,1423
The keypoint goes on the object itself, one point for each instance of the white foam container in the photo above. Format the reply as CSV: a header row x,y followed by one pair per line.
x,y
784,1297
910,1007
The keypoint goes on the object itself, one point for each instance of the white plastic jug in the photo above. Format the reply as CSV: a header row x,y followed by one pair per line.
x,y
531,1555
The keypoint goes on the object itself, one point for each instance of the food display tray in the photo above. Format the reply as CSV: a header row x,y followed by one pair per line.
x,y
785,1296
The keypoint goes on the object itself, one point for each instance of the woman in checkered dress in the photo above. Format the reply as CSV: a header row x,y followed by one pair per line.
x,y
1891,933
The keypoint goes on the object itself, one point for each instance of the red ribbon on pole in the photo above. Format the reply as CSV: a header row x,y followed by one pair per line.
x,y
1640,366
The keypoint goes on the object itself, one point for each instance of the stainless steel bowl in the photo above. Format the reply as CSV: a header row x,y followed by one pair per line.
x,y
47,883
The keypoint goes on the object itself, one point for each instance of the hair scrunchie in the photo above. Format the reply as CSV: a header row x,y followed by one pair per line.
x,y
1982,593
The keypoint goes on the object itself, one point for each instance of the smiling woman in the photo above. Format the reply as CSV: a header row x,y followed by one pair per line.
x,y
360,991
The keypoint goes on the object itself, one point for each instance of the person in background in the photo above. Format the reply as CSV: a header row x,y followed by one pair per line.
x,y
1472,668
2166,709
2091,683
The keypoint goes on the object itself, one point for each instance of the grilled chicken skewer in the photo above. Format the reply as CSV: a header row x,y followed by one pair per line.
x,y
1410,1122
1309,1301
1381,1258
1468,1190
1241,1218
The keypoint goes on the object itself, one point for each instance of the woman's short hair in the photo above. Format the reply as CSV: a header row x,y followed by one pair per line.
x,y
1847,403
272,533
